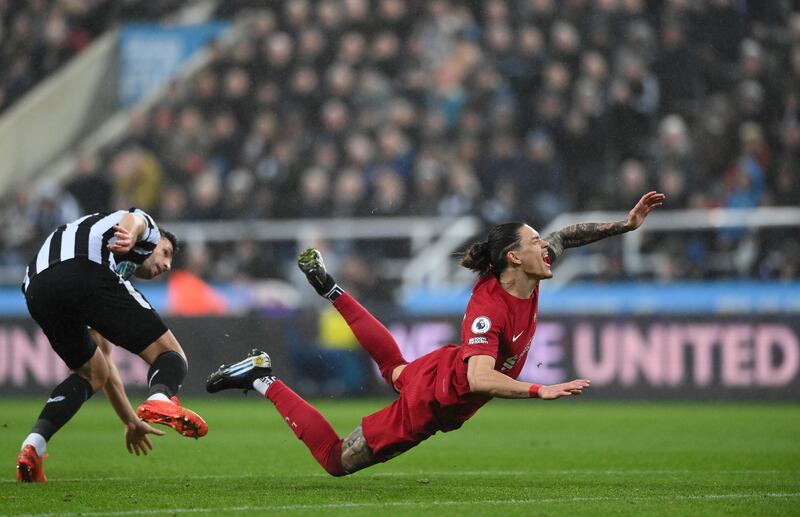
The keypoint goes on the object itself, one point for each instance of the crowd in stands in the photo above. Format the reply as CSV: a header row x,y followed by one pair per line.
x,y
498,108
38,36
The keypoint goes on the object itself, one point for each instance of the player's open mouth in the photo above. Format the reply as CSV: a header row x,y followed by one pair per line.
x,y
547,259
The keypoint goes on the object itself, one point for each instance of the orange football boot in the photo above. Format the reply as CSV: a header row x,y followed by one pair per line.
x,y
185,421
30,466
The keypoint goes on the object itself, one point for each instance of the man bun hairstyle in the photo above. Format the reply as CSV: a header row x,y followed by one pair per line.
x,y
476,257
490,255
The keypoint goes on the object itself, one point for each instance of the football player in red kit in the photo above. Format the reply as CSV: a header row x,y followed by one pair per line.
x,y
440,390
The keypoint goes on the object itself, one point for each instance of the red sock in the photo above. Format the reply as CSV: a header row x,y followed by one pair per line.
x,y
373,336
310,426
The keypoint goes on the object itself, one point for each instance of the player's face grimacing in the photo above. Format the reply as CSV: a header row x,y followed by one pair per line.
x,y
532,254
160,261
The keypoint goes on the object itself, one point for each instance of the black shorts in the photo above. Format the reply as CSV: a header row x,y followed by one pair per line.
x,y
67,298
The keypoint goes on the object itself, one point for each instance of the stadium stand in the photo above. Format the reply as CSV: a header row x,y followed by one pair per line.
x,y
501,109
37,37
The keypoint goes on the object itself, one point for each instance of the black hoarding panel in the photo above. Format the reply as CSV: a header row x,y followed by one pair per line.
x,y
626,357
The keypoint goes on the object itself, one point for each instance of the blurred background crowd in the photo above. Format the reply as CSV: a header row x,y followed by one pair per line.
x,y
38,36
502,109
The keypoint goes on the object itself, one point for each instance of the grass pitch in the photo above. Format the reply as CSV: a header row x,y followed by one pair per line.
x,y
568,457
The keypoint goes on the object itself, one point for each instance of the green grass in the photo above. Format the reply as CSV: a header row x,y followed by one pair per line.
x,y
572,457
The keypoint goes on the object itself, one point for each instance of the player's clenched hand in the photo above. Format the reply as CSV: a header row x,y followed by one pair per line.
x,y
647,204
565,389
136,439
123,240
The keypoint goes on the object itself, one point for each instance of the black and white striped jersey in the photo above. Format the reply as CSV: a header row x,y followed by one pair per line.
x,y
88,238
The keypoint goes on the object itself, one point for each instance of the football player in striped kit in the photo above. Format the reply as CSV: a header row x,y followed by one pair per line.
x,y
77,290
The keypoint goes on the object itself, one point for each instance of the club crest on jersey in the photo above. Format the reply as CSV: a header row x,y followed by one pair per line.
x,y
481,325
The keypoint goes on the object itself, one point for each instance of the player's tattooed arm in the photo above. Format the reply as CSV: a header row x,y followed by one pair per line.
x,y
581,234
356,454
586,233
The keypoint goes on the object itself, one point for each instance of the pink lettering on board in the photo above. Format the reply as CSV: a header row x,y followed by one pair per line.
x,y
702,339
546,355
674,363
642,353
132,368
600,367
29,357
783,341
5,362
737,356
418,339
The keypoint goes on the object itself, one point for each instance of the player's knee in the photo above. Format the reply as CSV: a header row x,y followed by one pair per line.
x,y
173,361
164,344
333,460
97,377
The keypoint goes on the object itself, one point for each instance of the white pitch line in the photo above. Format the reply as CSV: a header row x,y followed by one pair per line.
x,y
568,472
427,504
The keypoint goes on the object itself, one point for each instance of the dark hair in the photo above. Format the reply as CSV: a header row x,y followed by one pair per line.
x,y
491,253
171,238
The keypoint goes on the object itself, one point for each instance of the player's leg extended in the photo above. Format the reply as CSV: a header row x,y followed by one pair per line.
x,y
168,368
308,424
63,403
47,297
123,316
371,333
356,452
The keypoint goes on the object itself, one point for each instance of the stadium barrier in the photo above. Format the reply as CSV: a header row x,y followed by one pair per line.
x,y
733,223
57,113
626,357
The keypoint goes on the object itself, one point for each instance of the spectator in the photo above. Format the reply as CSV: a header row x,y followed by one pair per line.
x,y
314,193
349,194
546,182
350,108
389,193
18,233
137,178
39,37
90,188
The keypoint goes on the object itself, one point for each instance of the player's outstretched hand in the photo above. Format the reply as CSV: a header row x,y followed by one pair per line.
x,y
647,204
565,389
123,242
136,439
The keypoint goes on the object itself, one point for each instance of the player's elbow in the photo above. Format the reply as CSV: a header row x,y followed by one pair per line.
x,y
480,370
478,383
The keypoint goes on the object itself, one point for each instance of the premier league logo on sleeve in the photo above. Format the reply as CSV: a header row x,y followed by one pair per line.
x,y
481,325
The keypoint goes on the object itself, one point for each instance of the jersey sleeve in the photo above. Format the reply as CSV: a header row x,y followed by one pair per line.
x,y
151,235
481,329
144,247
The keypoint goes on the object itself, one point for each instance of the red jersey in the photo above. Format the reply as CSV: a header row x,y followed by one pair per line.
x,y
434,390
495,324
498,324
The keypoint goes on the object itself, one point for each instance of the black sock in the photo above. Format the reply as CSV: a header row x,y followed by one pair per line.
x,y
325,287
166,374
334,292
65,400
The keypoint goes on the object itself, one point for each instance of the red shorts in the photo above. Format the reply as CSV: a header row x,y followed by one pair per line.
x,y
428,402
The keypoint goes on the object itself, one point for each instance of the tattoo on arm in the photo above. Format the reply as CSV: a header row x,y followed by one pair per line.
x,y
356,454
580,234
